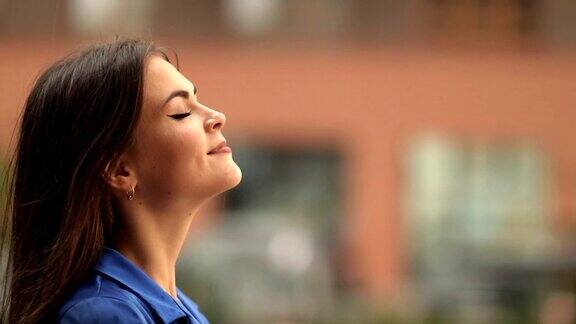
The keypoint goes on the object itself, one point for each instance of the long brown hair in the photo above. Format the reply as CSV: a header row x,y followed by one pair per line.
x,y
79,117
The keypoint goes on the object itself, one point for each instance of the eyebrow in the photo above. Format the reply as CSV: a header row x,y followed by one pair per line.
x,y
179,93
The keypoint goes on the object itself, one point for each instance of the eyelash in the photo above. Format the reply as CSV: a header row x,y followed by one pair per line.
x,y
180,116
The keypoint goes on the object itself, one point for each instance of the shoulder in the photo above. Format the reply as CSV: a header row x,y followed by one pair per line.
x,y
99,300
101,309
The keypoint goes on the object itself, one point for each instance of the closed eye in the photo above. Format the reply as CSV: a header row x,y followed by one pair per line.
x,y
180,116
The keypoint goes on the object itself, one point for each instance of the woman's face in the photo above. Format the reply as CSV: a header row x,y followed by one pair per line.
x,y
173,139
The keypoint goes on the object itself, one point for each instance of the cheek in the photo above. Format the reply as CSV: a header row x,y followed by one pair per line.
x,y
187,149
173,158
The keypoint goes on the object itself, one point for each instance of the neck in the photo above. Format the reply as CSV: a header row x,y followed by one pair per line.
x,y
153,241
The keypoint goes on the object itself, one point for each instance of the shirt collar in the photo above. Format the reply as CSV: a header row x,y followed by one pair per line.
x,y
116,266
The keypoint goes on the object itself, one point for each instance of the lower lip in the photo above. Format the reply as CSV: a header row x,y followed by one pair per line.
x,y
225,149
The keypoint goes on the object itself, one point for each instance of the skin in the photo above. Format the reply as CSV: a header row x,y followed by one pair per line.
x,y
171,172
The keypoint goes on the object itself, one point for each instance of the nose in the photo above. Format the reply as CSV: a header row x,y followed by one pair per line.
x,y
215,122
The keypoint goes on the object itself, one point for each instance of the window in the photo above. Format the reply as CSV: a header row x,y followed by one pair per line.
x,y
271,257
478,216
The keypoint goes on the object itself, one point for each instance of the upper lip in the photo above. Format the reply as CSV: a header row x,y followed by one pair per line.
x,y
219,146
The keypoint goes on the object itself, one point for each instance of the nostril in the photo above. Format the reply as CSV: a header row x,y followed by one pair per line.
x,y
212,125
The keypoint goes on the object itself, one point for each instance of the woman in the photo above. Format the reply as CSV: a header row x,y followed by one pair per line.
x,y
115,157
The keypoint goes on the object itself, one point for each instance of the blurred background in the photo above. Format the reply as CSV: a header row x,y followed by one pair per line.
x,y
404,161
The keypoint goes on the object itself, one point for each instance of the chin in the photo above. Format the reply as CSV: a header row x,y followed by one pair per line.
x,y
231,179
234,177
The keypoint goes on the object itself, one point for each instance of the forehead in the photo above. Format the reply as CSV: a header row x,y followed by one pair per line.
x,y
160,79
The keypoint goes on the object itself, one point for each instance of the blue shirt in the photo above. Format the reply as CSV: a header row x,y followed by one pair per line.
x,y
118,291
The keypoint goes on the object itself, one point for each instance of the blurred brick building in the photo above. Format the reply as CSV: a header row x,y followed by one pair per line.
x,y
363,78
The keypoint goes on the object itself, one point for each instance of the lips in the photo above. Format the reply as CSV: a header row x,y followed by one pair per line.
x,y
220,148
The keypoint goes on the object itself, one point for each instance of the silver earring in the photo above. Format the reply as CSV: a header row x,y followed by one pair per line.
x,y
130,193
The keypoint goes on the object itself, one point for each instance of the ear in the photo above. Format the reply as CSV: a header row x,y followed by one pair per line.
x,y
120,176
